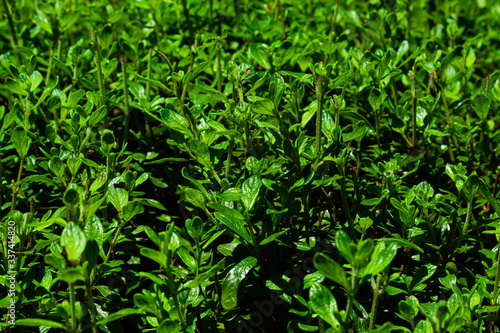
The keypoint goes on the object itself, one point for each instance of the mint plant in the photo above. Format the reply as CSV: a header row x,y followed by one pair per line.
x,y
246,166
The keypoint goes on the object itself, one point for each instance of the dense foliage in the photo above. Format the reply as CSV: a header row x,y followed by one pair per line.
x,y
249,166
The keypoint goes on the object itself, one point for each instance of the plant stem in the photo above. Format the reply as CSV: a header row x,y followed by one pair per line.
x,y
236,4
100,78
373,312
411,75
148,85
218,47
343,193
72,304
125,100
319,113
113,243
377,130
90,300
170,278
12,30
334,19
282,21
467,218
229,156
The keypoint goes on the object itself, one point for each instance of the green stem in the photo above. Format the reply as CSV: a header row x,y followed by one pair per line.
x,y
319,111
170,278
377,129
112,244
148,85
125,101
411,75
100,78
72,304
12,30
90,300
218,47
373,312
282,21
467,218
229,156
343,193
237,11
334,19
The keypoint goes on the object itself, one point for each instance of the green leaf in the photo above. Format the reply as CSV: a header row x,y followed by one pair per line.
x,y
206,276
99,181
68,20
324,304
263,107
271,238
187,258
94,230
200,151
250,188
35,322
230,212
258,53
117,315
487,194
72,198
15,87
237,226
365,249
154,255
215,94
345,246
331,269
233,279
97,116
21,141
169,326
175,121
481,105
147,303
355,116
194,227
74,164
131,209
118,197
42,21
54,261
56,166
195,197
381,258
471,186
450,57
73,240
71,275
406,311
402,242
107,140
35,79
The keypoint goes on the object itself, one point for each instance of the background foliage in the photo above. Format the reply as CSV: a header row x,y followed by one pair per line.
x,y
248,166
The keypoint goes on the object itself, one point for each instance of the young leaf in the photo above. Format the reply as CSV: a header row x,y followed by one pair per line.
x,y
131,209
232,281
21,141
331,269
73,240
251,188
324,304
381,258
118,197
